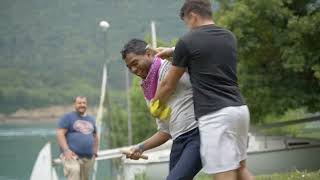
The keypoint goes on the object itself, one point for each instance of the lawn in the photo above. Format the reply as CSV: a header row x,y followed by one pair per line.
x,y
295,175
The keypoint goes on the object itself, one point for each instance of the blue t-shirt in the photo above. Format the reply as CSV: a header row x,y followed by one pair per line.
x,y
80,133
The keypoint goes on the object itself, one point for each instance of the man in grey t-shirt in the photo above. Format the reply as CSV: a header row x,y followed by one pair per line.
x,y
185,161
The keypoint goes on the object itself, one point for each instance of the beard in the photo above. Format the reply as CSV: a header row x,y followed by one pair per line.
x,y
81,110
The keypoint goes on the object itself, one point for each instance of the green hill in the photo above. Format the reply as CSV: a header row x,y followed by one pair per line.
x,y
53,50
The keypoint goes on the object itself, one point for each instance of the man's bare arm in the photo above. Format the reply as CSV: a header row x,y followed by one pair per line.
x,y
96,143
154,141
61,137
62,141
168,85
164,53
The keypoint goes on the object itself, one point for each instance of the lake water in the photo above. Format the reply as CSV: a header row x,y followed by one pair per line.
x,y
20,145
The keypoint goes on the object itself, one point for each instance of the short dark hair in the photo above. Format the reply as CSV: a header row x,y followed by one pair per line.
x,y
200,7
80,97
136,46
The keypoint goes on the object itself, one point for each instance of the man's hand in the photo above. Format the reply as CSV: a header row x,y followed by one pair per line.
x,y
135,152
68,154
164,52
95,155
159,110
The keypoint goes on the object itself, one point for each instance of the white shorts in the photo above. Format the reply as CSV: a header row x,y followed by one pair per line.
x,y
223,135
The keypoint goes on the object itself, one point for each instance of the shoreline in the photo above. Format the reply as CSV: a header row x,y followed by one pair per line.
x,y
27,120
42,115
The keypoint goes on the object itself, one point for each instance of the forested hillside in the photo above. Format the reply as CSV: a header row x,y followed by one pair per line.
x,y
53,50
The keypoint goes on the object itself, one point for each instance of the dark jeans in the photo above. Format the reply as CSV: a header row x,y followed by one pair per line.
x,y
185,160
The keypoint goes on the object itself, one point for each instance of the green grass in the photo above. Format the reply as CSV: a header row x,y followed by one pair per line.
x,y
294,175
314,135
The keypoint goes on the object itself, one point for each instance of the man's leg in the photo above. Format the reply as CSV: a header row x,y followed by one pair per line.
x,y
229,175
243,172
175,154
85,168
71,169
223,142
189,162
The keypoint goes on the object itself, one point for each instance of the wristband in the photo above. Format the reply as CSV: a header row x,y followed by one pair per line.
x,y
141,147
66,150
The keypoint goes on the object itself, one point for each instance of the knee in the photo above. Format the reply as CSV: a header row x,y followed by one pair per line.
x,y
242,165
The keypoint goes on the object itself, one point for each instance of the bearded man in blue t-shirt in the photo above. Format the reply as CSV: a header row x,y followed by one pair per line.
x,y
78,140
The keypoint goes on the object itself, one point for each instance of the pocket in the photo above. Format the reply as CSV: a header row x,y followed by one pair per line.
x,y
70,165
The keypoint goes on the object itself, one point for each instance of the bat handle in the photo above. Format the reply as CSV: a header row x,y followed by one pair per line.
x,y
145,157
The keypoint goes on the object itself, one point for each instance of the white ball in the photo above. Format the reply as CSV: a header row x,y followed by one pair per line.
x,y
104,24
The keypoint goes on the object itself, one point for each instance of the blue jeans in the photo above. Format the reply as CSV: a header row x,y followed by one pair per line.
x,y
185,160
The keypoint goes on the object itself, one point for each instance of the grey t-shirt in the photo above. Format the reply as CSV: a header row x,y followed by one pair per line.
x,y
181,102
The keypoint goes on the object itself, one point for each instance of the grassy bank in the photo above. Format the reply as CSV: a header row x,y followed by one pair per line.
x,y
294,175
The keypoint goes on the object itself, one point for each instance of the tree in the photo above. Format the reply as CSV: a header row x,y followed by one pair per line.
x,y
142,123
279,53
118,127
